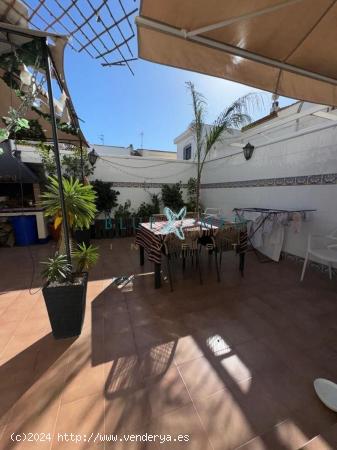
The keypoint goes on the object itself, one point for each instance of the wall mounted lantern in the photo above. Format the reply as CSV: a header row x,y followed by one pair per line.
x,y
92,156
248,150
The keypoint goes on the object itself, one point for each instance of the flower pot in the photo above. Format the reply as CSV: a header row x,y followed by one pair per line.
x,y
66,306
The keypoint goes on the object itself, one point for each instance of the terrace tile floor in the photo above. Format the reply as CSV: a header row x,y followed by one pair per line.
x,y
228,364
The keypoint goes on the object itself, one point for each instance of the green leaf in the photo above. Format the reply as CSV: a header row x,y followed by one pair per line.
x,y
4,134
22,123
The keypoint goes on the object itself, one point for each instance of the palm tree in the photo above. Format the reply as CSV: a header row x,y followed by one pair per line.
x,y
234,116
79,202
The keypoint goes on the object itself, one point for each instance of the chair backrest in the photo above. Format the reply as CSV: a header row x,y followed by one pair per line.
x,y
212,212
158,217
177,247
332,234
225,239
192,234
320,241
172,245
191,215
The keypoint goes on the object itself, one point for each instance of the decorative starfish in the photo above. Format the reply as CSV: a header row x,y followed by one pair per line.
x,y
170,226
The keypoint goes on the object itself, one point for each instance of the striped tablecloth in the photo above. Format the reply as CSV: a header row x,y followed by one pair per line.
x,y
149,236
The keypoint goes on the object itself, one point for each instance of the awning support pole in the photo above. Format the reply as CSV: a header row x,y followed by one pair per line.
x,y
56,149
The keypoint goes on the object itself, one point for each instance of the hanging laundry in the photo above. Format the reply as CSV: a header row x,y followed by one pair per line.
x,y
296,222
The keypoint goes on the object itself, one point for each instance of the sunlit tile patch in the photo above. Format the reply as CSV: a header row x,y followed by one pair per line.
x,y
290,434
236,368
217,345
245,385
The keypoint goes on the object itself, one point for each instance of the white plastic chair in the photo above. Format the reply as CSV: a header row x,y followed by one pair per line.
x,y
327,392
323,248
212,212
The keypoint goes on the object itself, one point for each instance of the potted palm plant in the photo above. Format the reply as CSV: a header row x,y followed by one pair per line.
x,y
66,282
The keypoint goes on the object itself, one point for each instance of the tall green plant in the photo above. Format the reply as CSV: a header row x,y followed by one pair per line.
x,y
76,164
79,203
106,197
234,116
172,196
47,157
192,194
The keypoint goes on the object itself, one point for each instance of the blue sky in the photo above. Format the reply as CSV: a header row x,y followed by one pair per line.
x,y
113,102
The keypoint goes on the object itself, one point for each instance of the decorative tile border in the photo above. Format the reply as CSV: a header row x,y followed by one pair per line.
x,y
312,264
303,180
140,184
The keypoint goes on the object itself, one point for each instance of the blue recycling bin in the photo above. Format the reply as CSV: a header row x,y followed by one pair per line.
x,y
25,230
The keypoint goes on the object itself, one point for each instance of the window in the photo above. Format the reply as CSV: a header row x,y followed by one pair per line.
x,y
187,152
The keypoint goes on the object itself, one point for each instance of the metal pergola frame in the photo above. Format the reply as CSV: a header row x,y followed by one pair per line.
x,y
49,68
99,31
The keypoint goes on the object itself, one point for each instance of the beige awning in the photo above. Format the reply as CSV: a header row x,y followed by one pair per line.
x,y
12,35
286,47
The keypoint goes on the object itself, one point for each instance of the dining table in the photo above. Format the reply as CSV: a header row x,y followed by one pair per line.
x,y
150,238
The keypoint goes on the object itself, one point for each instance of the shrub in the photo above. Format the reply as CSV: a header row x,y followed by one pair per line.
x,y
106,198
172,196
147,210
124,210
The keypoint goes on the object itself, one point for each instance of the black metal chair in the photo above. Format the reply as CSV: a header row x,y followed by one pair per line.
x,y
175,248
158,218
223,240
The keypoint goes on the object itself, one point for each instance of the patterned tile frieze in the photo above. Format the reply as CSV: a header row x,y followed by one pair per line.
x,y
139,184
309,180
320,179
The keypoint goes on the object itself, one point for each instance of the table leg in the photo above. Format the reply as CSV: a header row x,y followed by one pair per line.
x,y
141,255
157,279
242,263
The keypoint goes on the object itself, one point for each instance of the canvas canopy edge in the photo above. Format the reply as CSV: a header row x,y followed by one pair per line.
x,y
169,36
56,52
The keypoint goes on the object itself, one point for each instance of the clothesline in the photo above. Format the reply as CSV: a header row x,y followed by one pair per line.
x,y
269,212
266,226
273,210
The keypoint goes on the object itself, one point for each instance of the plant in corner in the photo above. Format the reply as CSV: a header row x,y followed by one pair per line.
x,y
191,204
66,284
234,116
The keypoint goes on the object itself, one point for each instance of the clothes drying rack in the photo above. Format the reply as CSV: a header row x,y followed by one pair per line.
x,y
269,212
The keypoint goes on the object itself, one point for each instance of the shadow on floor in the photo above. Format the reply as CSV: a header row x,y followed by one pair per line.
x,y
26,368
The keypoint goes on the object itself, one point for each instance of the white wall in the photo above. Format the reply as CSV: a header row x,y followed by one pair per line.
x,y
110,150
312,154
187,138
135,177
136,171
184,141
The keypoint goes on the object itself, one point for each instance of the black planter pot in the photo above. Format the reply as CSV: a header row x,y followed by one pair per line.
x,y
66,307
82,236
